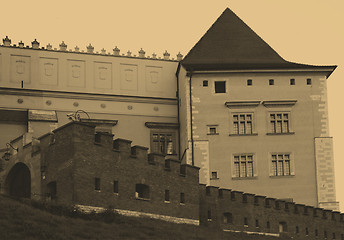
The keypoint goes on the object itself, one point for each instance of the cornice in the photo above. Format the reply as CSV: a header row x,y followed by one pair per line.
x,y
279,103
233,104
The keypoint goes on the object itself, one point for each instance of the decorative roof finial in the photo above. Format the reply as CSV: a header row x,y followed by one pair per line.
x,y
35,44
103,51
142,53
154,55
21,44
129,53
179,56
116,51
6,41
166,55
63,46
90,48
49,47
76,49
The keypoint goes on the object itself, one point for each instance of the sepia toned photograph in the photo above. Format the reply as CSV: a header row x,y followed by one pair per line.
x,y
171,120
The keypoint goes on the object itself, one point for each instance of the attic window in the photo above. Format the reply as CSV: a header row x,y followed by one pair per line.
x,y
205,83
271,82
292,81
220,87
309,81
249,82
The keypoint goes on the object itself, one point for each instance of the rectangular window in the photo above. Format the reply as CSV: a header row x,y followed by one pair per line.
x,y
279,122
309,81
271,82
249,82
214,175
115,186
292,81
97,184
163,143
167,195
182,198
280,164
205,83
212,129
242,123
220,87
243,165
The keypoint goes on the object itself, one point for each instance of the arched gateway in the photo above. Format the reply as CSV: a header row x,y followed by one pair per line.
x,y
18,181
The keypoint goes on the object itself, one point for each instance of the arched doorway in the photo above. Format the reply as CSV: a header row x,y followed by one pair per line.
x,y
18,181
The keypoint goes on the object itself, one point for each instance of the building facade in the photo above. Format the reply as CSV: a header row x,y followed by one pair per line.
x,y
249,119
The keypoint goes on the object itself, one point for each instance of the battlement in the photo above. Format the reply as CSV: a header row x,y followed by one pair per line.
x,y
63,47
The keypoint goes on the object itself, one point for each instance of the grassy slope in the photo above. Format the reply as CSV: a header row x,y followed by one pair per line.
x,y
21,221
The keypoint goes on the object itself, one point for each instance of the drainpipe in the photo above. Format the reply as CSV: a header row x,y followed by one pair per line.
x,y
191,131
178,102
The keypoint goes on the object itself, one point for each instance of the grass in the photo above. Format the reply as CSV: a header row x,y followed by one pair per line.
x,y
33,220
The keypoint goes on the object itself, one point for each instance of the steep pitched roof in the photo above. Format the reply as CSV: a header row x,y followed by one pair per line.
x,y
230,44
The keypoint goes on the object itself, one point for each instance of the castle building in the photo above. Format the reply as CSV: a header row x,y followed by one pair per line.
x,y
249,119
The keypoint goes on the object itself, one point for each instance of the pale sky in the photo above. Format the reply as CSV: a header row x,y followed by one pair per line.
x,y
306,31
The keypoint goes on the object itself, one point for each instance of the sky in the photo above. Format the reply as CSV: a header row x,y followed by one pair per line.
x,y
306,31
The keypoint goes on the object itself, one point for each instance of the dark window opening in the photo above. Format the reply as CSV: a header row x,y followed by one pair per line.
x,y
309,81
227,217
307,232
292,81
271,82
268,225
333,235
142,191
209,215
316,233
182,198
220,87
52,190
97,137
257,223
286,206
97,184
249,82
205,83
342,236
167,195
183,170
297,229
115,186
214,175
325,234
245,221
267,203
277,206
212,130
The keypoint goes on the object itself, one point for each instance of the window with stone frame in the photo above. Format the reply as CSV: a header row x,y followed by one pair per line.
x,y
279,122
243,165
243,123
163,142
281,164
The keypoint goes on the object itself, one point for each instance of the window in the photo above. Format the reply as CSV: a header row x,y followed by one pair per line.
x,y
163,143
292,81
257,223
309,81
182,198
209,215
325,234
280,164
212,130
268,225
249,82
279,122
271,82
283,227
97,184
227,217
316,232
307,232
333,235
142,191
115,186
52,190
205,83
167,195
243,165
245,222
214,175
220,87
297,229
242,123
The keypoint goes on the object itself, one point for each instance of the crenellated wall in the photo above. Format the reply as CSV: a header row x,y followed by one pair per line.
x,y
239,211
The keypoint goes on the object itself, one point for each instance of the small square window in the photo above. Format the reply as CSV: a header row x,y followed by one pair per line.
x,y
271,82
292,81
214,175
220,87
309,81
249,82
205,83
